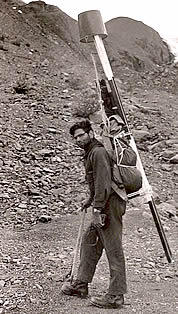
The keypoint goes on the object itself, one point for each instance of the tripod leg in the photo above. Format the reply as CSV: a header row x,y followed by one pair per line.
x,y
160,230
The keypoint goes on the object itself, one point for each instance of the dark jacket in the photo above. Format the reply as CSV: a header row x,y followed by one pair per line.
x,y
98,173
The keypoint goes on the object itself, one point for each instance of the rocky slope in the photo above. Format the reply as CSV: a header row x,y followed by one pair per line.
x,y
46,78
140,44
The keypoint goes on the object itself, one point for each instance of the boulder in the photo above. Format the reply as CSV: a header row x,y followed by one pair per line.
x,y
174,159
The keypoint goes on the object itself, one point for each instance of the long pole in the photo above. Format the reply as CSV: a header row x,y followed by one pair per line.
x,y
146,186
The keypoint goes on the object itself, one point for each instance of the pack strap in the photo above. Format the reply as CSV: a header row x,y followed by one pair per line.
x,y
119,156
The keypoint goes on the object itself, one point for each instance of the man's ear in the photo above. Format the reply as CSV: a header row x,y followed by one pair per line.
x,y
91,134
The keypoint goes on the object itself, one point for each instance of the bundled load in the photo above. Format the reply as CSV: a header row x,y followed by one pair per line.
x,y
124,158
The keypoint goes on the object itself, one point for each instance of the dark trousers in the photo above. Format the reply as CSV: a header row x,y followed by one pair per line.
x,y
110,239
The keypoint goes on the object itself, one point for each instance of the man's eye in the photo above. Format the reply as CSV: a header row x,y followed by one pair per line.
x,y
79,136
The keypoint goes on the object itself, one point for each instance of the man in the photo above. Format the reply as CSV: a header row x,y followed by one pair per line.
x,y
105,230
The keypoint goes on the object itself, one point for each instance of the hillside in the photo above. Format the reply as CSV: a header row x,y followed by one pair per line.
x,y
46,83
35,32
140,43
47,79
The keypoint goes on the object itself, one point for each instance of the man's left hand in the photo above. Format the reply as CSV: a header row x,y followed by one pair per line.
x,y
98,220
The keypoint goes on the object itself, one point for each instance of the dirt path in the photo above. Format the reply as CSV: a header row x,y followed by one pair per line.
x,y
34,262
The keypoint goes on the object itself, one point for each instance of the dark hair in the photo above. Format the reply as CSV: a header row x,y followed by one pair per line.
x,y
84,125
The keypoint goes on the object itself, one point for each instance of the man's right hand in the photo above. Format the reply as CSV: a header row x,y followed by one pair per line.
x,y
86,204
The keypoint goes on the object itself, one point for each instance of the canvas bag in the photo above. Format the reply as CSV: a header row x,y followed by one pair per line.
x,y
124,171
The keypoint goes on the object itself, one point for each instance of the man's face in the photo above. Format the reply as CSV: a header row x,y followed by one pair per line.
x,y
81,138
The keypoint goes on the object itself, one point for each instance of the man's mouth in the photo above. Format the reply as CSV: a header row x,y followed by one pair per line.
x,y
80,144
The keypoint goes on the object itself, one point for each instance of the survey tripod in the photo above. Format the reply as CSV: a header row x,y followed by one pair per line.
x,y
92,30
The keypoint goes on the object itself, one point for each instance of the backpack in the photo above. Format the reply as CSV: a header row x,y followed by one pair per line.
x,y
123,157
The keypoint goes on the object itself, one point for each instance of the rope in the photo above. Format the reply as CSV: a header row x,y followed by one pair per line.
x,y
116,144
119,156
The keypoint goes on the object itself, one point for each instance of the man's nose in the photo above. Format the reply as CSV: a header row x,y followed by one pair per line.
x,y
78,139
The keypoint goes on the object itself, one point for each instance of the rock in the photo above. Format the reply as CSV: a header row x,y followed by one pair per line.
x,y
20,211
140,135
167,210
175,171
170,142
45,152
175,146
33,300
45,63
52,130
18,146
48,170
147,215
167,154
56,159
156,147
158,278
2,283
148,110
166,167
174,159
156,197
2,47
23,206
44,218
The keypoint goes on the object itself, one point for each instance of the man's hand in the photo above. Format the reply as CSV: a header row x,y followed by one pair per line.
x,y
98,219
86,204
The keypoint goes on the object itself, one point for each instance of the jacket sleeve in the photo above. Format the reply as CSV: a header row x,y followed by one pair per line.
x,y
101,176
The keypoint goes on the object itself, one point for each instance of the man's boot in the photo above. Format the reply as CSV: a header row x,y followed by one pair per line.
x,y
108,301
77,288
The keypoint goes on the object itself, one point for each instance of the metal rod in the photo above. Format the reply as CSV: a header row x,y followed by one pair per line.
x,y
77,247
160,230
